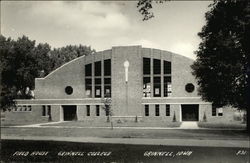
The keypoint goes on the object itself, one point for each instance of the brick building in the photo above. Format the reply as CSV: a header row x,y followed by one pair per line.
x,y
143,83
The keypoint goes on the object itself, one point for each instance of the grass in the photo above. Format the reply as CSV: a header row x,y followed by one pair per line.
x,y
16,123
232,125
116,124
125,133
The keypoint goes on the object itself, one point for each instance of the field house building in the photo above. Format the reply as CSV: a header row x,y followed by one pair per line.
x,y
143,83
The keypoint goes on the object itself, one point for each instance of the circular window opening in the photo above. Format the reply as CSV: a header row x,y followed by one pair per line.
x,y
189,87
69,90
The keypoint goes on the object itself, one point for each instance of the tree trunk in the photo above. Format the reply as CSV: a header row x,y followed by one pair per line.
x,y
248,98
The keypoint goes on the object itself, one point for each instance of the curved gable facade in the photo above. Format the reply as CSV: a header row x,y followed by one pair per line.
x,y
144,84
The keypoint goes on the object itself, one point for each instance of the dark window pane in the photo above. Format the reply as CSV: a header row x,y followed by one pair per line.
x,y
49,110
107,67
98,81
97,110
146,110
157,110
43,110
107,81
88,69
157,86
157,66
98,68
146,66
88,110
167,67
167,110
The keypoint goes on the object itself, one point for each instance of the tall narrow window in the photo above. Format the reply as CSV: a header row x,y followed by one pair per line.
x,y
146,110
157,66
157,86
88,69
49,110
167,110
98,87
214,113
157,110
88,110
43,110
167,67
98,68
107,67
146,66
97,110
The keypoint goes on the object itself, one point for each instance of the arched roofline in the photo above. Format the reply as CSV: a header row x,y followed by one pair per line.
x,y
62,66
47,76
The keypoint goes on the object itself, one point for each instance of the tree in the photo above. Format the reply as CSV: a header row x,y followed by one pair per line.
x,y
107,101
223,56
18,68
145,6
62,55
22,61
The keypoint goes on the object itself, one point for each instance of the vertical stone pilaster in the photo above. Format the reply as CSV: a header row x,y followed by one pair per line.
x,y
102,76
93,76
162,76
151,73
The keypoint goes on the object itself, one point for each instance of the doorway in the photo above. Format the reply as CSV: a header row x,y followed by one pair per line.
x,y
69,112
190,112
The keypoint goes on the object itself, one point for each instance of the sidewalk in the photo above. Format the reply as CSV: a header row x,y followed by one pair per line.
x,y
139,141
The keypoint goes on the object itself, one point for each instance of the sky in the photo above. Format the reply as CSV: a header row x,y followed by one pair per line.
x,y
103,24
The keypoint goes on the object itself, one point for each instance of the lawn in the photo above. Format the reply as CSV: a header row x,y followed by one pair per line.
x,y
125,133
53,151
232,125
116,124
15,123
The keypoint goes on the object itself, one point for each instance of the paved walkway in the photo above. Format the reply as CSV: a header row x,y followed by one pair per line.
x,y
189,125
138,141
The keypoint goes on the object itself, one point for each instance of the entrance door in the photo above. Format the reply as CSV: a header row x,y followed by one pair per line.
x,y
190,112
69,112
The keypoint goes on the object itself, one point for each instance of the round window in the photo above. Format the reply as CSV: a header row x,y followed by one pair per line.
x,y
189,87
69,90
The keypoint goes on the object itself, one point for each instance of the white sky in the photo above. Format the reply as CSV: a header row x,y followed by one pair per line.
x,y
102,25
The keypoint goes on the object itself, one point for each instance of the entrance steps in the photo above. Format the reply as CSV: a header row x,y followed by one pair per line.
x,y
189,125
